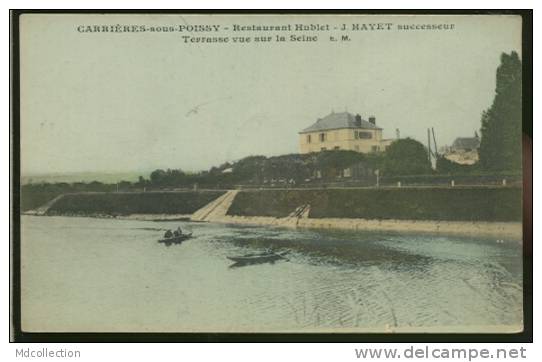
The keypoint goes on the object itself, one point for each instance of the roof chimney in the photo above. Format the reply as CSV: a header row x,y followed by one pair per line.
x,y
372,119
358,120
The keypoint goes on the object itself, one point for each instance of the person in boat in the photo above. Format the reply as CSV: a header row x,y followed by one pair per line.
x,y
178,232
168,234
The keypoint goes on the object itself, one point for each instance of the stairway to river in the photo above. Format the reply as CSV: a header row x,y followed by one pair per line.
x,y
216,209
42,210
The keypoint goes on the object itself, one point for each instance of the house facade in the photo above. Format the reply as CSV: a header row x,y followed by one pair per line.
x,y
464,150
343,131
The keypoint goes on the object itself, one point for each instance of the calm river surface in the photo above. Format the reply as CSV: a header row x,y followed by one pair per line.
x,y
87,274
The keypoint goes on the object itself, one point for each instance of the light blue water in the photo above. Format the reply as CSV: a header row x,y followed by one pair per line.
x,y
84,274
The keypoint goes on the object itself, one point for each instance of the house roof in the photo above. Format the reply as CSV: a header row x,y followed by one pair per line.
x,y
466,142
337,121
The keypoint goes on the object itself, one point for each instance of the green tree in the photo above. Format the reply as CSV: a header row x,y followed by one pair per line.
x,y
287,167
249,169
332,163
500,145
406,157
158,177
375,160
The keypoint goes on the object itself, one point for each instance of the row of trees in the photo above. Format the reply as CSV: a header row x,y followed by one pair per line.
x,y
403,157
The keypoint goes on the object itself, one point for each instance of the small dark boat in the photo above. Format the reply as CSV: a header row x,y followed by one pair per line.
x,y
175,239
258,258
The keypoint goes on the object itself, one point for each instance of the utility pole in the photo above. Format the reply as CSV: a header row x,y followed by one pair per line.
x,y
435,142
429,146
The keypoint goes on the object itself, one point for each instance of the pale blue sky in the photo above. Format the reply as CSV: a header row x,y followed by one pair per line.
x,y
119,102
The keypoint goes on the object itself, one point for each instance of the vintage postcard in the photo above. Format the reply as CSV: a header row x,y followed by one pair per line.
x,y
271,173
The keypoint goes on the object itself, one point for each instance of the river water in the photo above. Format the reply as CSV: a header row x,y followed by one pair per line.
x,y
97,275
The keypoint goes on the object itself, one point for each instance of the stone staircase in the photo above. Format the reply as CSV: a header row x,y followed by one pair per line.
x,y
301,212
42,210
216,209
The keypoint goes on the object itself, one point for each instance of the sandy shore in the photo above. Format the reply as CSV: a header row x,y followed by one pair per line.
x,y
140,217
155,217
500,230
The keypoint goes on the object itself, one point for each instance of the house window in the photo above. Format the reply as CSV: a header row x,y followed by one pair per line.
x,y
322,137
308,138
336,148
365,135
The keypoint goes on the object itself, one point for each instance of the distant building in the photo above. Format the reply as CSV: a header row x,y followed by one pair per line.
x,y
464,150
343,131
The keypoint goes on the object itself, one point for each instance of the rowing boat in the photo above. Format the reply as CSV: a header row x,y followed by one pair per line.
x,y
258,258
175,239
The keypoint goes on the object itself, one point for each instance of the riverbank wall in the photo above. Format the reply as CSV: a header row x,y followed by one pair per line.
x,y
473,211
467,204
156,205
467,211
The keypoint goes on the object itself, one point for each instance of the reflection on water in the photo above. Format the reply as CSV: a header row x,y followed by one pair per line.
x,y
83,274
